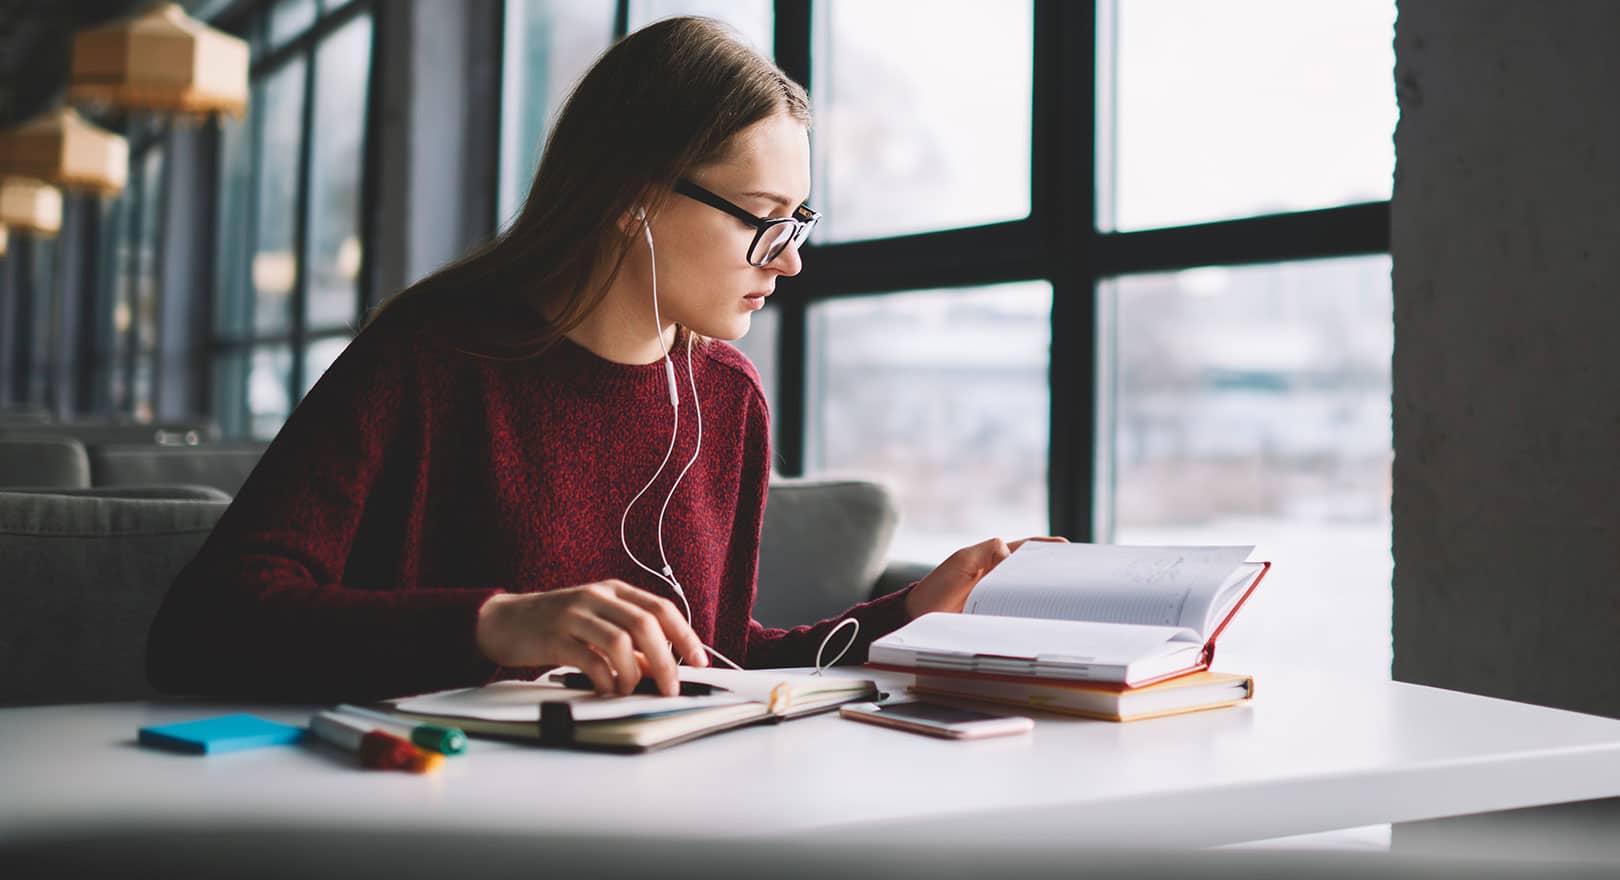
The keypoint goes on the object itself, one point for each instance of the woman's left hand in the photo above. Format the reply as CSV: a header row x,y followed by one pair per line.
x,y
946,588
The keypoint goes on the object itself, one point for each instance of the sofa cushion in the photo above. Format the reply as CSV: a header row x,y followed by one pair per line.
x,y
824,542
223,466
43,461
83,578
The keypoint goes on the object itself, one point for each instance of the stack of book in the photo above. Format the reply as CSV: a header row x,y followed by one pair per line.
x,y
1103,631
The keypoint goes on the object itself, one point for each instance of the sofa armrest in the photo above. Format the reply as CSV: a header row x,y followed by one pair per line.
x,y
897,575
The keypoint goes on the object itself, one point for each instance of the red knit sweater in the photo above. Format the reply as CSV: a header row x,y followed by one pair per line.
x,y
417,479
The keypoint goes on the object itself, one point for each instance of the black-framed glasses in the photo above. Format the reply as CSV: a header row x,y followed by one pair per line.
x,y
772,235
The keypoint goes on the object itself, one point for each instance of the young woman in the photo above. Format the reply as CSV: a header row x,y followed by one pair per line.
x,y
473,490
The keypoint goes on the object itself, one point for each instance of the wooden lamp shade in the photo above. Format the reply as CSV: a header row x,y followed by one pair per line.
x,y
160,60
60,147
30,206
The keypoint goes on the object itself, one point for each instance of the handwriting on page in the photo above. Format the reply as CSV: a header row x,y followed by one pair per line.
x,y
1105,582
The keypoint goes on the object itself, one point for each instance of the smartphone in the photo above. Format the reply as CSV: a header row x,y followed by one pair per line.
x,y
937,720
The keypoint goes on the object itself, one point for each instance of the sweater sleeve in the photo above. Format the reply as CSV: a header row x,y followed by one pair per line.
x,y
768,647
772,647
262,611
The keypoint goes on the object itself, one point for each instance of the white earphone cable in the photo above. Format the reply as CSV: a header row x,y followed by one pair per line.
x,y
668,573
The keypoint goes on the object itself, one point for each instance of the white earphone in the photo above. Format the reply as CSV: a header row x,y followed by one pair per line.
x,y
667,575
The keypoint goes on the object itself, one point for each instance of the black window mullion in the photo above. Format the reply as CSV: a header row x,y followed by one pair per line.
x,y
90,303
621,19
1063,206
790,408
949,258
1349,230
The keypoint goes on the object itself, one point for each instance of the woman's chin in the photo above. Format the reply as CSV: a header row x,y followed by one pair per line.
x,y
730,329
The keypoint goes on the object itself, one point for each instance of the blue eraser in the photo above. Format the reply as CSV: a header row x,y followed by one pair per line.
x,y
225,733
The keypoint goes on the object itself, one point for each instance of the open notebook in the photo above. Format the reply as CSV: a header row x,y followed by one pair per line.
x,y
546,712
1084,612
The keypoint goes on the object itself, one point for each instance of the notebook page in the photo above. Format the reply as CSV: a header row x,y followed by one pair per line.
x,y
1203,611
1106,583
520,701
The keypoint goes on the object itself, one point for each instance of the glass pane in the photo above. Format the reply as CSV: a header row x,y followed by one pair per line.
x,y
231,291
147,282
760,346
269,386
275,265
1241,108
754,20
112,272
943,393
342,67
908,138
230,394
549,44
318,357
1252,406
288,19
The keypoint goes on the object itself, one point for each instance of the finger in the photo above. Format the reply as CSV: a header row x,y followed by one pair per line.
x,y
675,627
613,643
983,556
576,653
649,640
1044,539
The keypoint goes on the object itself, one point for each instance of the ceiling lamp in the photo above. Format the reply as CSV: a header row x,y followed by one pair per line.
x,y
160,60
60,147
30,206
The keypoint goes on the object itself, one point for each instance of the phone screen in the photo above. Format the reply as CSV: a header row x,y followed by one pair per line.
x,y
934,714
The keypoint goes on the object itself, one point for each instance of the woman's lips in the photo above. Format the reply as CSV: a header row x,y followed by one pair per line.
x,y
756,300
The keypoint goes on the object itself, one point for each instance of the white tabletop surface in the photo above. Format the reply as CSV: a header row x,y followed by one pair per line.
x,y
1307,755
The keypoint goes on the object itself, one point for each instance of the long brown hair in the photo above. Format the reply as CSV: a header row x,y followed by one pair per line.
x,y
659,103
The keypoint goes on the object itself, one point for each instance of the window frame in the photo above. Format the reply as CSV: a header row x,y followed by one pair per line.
x,y
252,24
1059,241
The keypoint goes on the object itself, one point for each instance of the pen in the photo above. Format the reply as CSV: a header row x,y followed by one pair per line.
x,y
581,681
377,749
433,737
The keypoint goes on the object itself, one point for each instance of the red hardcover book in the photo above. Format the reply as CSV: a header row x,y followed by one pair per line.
x,y
1124,615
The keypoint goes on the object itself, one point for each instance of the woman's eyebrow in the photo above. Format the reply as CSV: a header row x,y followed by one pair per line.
x,y
778,198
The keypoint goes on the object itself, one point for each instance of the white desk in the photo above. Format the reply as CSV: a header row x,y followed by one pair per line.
x,y
1303,758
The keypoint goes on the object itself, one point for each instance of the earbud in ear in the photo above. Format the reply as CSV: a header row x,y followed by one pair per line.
x,y
641,213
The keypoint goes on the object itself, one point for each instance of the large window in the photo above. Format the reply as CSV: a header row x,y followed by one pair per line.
x,y
908,139
943,394
548,45
1242,108
1251,405
124,308
1115,270
1201,192
291,243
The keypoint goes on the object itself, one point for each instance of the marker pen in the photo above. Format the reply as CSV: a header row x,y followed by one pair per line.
x,y
377,749
433,737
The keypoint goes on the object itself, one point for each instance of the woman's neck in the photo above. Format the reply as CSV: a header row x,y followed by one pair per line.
x,y
620,327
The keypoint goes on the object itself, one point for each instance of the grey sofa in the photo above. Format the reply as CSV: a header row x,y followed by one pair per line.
x,y
82,573
81,577
43,461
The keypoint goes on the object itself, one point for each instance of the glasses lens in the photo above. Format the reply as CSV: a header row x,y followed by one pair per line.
x,y
771,244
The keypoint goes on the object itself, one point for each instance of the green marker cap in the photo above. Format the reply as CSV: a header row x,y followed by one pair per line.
x,y
449,740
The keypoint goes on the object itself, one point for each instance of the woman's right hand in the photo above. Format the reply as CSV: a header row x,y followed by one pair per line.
x,y
614,632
